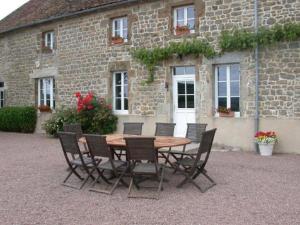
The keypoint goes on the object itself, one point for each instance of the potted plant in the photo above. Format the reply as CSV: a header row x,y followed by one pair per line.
x,y
225,112
266,142
45,108
180,30
117,40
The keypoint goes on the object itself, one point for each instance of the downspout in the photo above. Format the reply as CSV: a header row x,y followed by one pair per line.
x,y
256,24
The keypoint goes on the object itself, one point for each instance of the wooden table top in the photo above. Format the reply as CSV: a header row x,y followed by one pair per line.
x,y
117,140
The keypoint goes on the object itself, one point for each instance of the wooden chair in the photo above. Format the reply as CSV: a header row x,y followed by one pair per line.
x,y
141,149
191,168
98,148
194,133
70,146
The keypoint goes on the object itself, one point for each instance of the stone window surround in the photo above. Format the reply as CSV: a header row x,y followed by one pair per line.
x,y
41,39
168,12
130,19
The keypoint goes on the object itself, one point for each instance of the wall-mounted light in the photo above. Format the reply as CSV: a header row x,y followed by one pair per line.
x,y
167,86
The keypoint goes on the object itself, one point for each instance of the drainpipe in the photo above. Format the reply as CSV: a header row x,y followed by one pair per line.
x,y
256,24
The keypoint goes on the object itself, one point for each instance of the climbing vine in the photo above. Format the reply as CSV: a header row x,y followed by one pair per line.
x,y
151,57
234,40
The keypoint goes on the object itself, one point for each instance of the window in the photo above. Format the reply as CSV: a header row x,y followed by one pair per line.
x,y
1,94
185,17
46,92
228,86
184,81
49,40
120,28
120,87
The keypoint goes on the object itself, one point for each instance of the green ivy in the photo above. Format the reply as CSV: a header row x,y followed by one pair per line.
x,y
239,40
234,40
151,57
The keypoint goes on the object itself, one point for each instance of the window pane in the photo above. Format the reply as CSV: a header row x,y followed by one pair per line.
x,y
1,95
179,70
234,88
191,24
126,91
117,24
1,84
126,104
181,87
125,78
190,87
190,70
125,34
222,73
118,78
190,101
222,89
180,14
222,102
125,23
118,91
181,101
191,12
118,104
235,72
235,104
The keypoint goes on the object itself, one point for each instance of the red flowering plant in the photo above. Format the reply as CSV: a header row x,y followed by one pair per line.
x,y
95,114
268,137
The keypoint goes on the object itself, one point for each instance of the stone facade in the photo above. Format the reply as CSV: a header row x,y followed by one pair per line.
x,y
84,60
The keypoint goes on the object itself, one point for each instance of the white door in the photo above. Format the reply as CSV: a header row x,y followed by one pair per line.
x,y
183,98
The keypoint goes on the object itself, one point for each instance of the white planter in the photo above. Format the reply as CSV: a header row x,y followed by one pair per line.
x,y
266,149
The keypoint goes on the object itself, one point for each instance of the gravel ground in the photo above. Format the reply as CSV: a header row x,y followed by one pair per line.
x,y
250,190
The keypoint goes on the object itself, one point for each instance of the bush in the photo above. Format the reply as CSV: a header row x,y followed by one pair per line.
x,y
18,119
94,115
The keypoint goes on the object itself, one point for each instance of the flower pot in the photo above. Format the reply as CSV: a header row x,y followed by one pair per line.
x,y
229,114
117,41
266,149
182,32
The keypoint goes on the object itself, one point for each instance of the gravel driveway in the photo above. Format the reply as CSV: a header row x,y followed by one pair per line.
x,y
250,190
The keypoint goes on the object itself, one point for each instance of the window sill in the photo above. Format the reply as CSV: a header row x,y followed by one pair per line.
x,y
236,115
124,112
191,35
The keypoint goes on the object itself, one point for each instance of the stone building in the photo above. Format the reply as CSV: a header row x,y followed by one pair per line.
x,y
52,48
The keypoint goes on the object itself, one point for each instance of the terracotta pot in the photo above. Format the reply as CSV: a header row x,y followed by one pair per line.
x,y
182,32
117,41
230,114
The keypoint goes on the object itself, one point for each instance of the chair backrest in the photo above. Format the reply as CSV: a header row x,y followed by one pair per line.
x,y
165,129
97,145
74,128
141,148
195,130
205,146
133,128
69,142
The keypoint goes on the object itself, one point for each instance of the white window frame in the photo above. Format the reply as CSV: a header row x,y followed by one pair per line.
x,y
121,21
122,110
2,99
185,8
52,92
46,36
228,88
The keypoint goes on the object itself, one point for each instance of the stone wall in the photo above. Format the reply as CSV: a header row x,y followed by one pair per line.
x,y
84,60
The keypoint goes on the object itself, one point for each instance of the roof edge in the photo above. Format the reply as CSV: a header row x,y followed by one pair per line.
x,y
70,15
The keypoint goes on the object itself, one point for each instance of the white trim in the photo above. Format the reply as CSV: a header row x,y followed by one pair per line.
x,y
185,19
228,88
122,110
51,39
121,21
44,89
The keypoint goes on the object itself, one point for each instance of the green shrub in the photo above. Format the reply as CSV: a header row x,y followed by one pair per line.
x,y
18,119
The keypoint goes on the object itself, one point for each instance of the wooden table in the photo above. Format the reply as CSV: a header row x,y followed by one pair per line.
x,y
117,140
